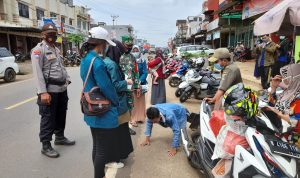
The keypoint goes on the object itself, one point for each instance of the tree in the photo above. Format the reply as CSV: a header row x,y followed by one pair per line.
x,y
76,38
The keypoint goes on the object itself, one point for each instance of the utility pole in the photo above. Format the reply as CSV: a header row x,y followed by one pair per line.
x,y
114,18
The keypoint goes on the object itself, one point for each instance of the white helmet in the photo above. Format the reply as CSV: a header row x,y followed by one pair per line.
x,y
101,34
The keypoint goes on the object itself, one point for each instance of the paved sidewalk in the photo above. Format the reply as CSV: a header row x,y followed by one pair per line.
x,y
247,70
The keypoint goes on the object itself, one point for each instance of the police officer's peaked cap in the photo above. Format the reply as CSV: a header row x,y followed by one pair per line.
x,y
49,28
222,53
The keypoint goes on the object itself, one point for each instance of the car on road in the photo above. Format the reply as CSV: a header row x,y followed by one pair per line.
x,y
8,66
195,49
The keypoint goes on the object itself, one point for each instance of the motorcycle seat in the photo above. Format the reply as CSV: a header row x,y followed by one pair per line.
x,y
215,83
217,121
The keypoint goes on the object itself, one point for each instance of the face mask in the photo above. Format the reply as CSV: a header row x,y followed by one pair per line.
x,y
136,54
128,50
218,67
51,39
106,49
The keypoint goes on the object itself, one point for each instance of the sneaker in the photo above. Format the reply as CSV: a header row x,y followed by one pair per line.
x,y
114,165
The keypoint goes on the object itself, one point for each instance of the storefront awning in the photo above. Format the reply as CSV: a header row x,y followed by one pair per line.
x,y
22,31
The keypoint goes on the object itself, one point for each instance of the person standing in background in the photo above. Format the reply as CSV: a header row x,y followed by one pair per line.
x,y
115,52
266,60
239,49
138,114
283,57
158,92
129,67
52,81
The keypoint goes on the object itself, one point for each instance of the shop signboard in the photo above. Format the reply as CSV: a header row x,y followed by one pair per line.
x,y
213,25
53,20
216,35
254,7
69,29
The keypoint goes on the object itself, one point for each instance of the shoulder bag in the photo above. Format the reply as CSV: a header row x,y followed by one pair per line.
x,y
93,102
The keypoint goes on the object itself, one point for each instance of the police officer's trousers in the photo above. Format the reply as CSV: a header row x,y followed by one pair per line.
x,y
53,116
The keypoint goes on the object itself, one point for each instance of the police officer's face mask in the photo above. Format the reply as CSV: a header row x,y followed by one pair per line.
x,y
51,38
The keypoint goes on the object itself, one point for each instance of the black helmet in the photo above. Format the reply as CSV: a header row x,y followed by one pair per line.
x,y
200,63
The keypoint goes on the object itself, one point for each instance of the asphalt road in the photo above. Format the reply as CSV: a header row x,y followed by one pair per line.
x,y
20,148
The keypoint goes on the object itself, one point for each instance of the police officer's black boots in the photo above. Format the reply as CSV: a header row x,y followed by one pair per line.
x,y
49,151
62,140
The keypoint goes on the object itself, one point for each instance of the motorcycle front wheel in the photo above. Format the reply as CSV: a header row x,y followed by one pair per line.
x,y
174,81
185,96
178,92
194,157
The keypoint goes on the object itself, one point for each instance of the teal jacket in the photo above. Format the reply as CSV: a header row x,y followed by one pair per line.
x,y
100,77
143,70
119,84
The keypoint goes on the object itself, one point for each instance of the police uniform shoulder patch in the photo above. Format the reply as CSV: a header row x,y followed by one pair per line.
x,y
36,52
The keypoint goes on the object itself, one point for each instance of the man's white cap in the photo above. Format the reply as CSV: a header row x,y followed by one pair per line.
x,y
101,34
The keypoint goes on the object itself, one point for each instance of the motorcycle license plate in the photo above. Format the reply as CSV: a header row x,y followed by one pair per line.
x,y
283,148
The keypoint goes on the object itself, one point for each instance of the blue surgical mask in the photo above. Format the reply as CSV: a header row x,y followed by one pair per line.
x,y
218,67
136,54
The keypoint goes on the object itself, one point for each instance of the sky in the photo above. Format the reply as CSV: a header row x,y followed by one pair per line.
x,y
154,20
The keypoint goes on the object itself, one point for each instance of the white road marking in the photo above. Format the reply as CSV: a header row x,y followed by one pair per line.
x,y
10,84
111,173
21,103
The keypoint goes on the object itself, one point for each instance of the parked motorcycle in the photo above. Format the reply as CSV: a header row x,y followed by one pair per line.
x,y
20,57
268,156
171,67
202,84
177,78
72,59
182,81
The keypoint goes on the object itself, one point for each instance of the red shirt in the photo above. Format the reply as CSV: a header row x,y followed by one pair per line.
x,y
156,62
